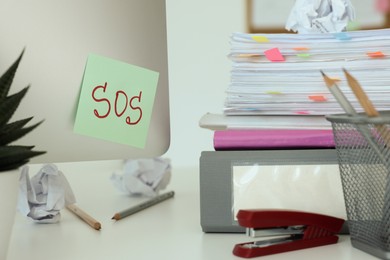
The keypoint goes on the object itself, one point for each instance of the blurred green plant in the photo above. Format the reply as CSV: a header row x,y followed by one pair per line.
x,y
13,156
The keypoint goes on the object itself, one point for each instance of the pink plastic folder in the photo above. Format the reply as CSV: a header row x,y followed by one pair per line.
x,y
272,139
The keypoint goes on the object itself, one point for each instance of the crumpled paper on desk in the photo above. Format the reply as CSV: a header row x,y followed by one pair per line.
x,y
143,176
45,194
320,16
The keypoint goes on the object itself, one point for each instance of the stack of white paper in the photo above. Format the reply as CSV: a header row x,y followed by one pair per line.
x,y
279,74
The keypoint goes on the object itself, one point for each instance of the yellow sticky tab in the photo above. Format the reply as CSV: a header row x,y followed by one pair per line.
x,y
260,38
274,92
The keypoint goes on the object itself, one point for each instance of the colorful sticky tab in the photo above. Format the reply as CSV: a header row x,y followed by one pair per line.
x,y
248,55
301,49
383,6
376,54
302,112
116,101
274,55
343,36
273,92
303,55
318,98
353,26
260,38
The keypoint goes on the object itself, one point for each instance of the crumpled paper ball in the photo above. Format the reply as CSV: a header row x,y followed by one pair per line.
x,y
44,195
143,176
320,16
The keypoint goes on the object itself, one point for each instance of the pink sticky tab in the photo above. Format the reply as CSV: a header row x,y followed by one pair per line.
x,y
383,6
302,112
317,98
274,55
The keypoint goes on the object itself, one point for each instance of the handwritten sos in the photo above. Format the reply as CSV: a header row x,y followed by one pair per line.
x,y
121,104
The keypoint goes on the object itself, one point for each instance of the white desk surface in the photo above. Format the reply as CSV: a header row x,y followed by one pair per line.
x,y
168,230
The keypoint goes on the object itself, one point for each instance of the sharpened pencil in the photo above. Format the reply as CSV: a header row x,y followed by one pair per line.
x,y
338,95
361,96
84,216
144,205
367,105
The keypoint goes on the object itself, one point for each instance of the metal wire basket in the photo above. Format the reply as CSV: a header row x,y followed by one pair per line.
x,y
363,150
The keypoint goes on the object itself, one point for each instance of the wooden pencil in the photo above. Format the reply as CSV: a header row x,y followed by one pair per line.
x,y
84,216
338,95
144,205
367,105
361,96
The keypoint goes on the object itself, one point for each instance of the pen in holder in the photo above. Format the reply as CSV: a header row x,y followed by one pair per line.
x,y
363,146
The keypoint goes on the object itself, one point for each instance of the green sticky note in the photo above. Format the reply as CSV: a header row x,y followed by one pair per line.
x,y
116,101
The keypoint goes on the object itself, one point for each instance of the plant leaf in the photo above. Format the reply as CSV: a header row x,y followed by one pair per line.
x,y
11,155
12,166
10,104
10,136
14,125
7,78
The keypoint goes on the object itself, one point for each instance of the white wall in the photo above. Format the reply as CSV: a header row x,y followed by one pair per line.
x,y
198,44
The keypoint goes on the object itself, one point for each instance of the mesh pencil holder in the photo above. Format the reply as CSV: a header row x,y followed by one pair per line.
x,y
363,150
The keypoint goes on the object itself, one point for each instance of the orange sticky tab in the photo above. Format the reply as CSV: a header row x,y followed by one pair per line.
x,y
318,98
376,54
274,55
260,38
301,49
248,55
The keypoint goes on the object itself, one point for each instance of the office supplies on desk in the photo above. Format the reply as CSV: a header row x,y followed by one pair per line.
x,y
294,230
84,216
234,180
363,155
364,167
144,205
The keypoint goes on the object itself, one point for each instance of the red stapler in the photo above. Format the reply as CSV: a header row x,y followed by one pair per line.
x,y
286,230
